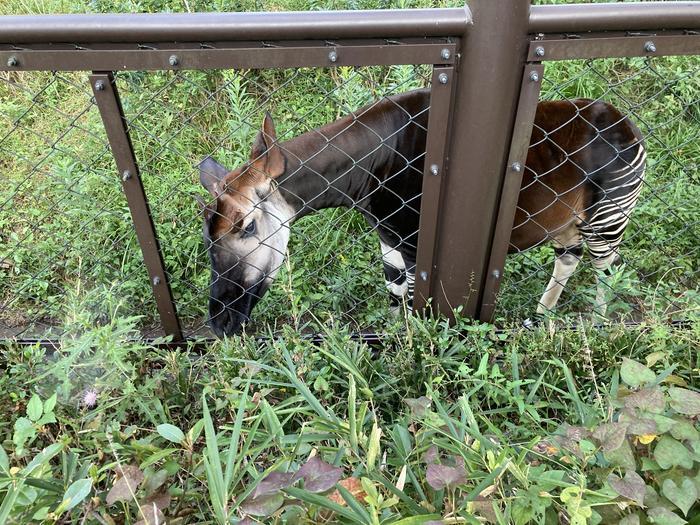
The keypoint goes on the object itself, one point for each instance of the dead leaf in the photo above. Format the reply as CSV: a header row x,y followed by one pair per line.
x,y
125,487
353,486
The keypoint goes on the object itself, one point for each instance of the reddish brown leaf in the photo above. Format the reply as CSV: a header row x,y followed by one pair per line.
x,y
125,486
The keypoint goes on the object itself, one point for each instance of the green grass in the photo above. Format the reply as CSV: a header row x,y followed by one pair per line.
x,y
438,423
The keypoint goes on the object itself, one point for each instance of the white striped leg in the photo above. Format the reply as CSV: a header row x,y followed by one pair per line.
x,y
394,275
564,266
603,266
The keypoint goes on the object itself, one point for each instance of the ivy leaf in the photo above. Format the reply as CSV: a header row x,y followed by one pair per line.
x,y
273,483
682,497
418,406
635,425
685,401
318,475
632,486
684,429
35,408
125,487
670,453
441,476
171,433
263,506
663,516
634,373
648,399
622,456
610,435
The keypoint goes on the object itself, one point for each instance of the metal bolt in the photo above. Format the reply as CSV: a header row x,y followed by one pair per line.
x,y
126,175
434,169
99,86
534,76
496,273
333,56
12,62
156,281
650,47
173,60
516,167
539,51
445,54
443,78
424,275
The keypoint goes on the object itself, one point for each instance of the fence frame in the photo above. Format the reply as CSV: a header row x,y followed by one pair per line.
x,y
490,55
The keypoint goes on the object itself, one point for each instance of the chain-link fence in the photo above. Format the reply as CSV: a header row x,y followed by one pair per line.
x,y
617,192
305,182
68,239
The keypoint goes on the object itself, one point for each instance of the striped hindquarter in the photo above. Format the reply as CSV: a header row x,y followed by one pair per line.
x,y
584,175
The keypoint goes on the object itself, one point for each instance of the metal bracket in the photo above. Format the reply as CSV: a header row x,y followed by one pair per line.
x,y
109,104
441,92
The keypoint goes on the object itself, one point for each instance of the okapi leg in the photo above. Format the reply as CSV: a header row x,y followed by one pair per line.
x,y
394,274
603,266
565,264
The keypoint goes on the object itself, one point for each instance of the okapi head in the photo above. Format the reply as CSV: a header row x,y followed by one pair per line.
x,y
246,230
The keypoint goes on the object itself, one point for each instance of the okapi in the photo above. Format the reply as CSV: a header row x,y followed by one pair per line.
x,y
584,174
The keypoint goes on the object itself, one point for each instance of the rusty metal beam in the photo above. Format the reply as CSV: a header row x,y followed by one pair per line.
x,y
109,104
433,174
250,56
607,46
198,27
486,94
527,107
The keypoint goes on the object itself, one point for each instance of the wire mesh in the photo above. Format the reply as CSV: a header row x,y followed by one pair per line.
x,y
64,224
651,202
68,244
332,268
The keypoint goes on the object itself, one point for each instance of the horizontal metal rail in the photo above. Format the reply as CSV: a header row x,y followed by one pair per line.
x,y
632,16
198,27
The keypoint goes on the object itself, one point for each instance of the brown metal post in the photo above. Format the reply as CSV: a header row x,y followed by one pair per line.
x,y
522,130
493,52
112,114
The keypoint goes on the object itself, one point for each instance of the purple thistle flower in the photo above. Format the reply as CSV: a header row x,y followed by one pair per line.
x,y
89,398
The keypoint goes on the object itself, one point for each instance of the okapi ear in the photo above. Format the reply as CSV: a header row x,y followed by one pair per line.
x,y
266,155
207,210
211,173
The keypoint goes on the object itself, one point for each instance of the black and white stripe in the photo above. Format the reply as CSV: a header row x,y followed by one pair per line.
x,y
615,197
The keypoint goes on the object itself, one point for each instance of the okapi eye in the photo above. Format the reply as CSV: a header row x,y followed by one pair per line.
x,y
249,230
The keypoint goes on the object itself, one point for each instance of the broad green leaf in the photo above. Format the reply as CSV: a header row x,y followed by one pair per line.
x,y
41,458
263,506
685,401
26,496
622,456
670,453
76,493
682,497
4,462
171,433
635,374
610,435
50,404
632,486
648,399
35,408
663,516
684,430
24,428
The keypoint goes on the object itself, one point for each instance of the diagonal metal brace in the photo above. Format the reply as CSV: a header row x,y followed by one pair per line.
x,y
109,104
